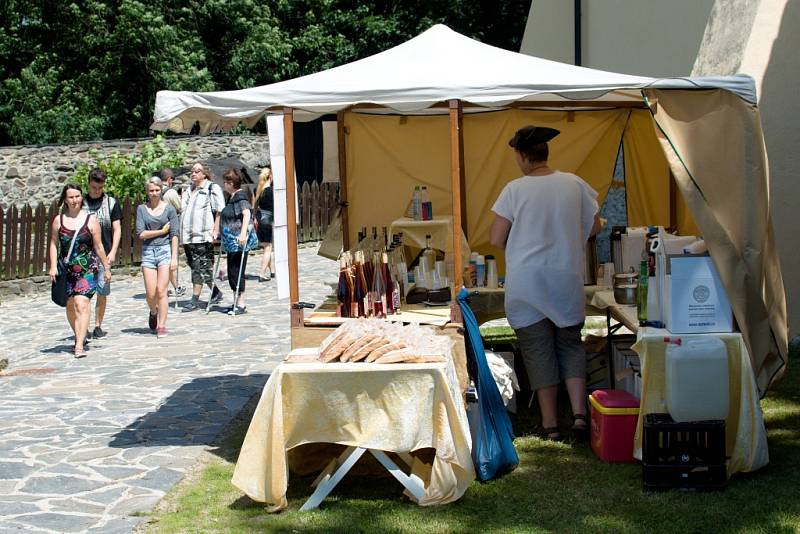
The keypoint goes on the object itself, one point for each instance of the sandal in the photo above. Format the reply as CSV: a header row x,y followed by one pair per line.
x,y
548,433
80,352
580,425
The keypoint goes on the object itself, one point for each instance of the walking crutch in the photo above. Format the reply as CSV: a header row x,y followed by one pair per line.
x,y
177,283
239,277
214,274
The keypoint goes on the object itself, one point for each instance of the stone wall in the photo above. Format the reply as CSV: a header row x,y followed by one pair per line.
x,y
35,173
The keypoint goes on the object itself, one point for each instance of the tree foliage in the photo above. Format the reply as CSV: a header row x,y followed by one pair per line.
x,y
88,69
127,174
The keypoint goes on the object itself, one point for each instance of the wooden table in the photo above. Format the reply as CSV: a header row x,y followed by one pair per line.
x,y
382,408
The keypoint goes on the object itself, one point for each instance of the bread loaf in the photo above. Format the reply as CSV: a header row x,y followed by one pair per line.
x,y
337,347
363,351
357,344
385,349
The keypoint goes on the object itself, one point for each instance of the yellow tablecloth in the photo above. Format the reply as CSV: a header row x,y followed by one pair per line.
x,y
603,298
745,435
390,407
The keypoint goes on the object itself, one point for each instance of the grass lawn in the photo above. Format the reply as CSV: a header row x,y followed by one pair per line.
x,y
558,487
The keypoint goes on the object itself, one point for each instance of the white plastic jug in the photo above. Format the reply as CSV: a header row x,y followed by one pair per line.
x,y
697,379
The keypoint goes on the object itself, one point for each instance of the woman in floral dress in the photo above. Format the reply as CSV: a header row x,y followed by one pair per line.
x,y
82,264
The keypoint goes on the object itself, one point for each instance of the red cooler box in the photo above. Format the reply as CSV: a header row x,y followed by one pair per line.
x,y
614,416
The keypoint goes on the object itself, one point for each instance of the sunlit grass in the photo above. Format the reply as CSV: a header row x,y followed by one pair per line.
x,y
558,487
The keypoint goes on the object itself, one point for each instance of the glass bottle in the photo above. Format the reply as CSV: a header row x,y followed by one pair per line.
x,y
388,283
343,290
360,286
641,291
378,293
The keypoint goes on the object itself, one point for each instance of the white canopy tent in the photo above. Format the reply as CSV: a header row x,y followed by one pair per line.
x,y
436,66
708,131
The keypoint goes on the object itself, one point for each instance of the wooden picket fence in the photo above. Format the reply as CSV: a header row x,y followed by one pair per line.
x,y
25,232
318,205
25,239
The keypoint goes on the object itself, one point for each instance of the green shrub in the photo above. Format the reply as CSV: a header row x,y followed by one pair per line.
x,y
127,174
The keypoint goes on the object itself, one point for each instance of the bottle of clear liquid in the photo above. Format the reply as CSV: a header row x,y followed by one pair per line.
x,y
428,256
416,204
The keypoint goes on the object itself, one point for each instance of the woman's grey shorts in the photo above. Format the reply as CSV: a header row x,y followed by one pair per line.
x,y
550,353
155,256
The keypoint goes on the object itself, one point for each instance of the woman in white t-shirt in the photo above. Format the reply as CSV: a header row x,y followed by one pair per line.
x,y
542,221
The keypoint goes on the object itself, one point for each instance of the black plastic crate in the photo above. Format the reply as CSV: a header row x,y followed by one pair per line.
x,y
673,444
699,477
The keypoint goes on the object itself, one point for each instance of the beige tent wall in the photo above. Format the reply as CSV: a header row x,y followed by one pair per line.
x,y
388,155
725,182
647,178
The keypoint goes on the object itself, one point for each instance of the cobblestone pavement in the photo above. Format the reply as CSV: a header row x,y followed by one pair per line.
x,y
91,444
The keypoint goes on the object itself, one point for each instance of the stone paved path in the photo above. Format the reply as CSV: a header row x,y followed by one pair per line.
x,y
91,444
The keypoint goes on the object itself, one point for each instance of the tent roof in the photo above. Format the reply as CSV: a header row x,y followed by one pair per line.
x,y
437,65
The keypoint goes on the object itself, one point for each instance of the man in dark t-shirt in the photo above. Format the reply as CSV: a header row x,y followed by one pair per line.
x,y
108,213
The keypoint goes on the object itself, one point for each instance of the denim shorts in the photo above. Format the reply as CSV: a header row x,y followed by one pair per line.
x,y
155,257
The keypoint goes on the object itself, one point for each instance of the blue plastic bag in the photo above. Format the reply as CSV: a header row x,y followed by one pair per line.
x,y
493,451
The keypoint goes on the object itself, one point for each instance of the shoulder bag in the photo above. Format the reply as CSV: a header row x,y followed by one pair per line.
x,y
58,290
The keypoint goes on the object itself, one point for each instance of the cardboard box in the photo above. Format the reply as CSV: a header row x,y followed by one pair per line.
x,y
694,299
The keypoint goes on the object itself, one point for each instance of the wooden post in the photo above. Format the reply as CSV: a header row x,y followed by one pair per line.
x,y
295,315
340,133
459,198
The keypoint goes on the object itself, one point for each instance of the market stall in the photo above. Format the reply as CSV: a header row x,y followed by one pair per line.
x,y
438,111
694,147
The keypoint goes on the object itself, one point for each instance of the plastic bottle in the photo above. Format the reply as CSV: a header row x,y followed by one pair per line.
x,y
473,268
491,272
428,256
427,206
480,271
416,204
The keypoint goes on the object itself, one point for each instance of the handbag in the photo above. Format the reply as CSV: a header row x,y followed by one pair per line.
x,y
230,243
58,289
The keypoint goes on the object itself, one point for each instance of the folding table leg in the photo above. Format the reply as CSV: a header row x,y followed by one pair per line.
x,y
409,460
412,484
326,484
332,466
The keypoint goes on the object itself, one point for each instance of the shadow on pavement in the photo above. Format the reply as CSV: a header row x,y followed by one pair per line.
x,y
58,349
194,414
138,331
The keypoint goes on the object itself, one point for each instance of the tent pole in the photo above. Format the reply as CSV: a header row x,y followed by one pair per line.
x,y
340,134
295,314
459,200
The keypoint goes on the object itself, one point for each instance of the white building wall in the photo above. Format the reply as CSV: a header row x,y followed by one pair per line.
x,y
645,37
